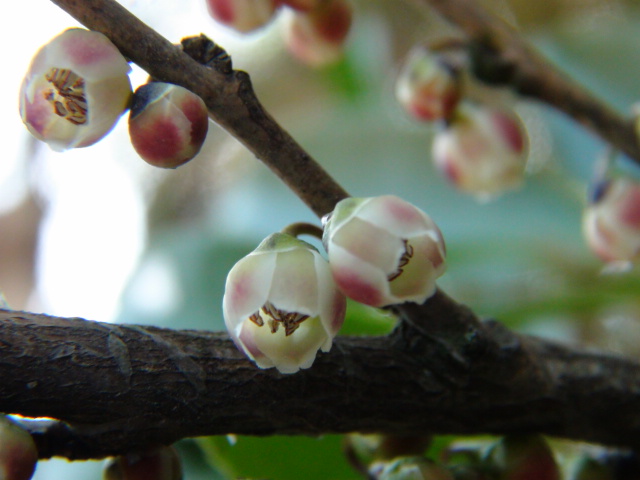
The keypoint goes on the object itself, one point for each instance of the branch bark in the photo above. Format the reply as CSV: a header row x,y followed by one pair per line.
x,y
441,371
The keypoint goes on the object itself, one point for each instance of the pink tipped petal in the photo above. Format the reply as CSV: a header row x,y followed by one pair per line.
x,y
242,15
18,452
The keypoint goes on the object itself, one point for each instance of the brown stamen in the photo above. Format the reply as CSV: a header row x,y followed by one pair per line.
x,y
290,320
403,262
67,95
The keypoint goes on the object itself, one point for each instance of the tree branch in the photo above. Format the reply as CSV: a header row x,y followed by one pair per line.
x,y
118,386
501,57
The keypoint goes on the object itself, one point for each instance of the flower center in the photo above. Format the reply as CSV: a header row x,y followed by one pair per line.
x,y
67,95
274,316
404,260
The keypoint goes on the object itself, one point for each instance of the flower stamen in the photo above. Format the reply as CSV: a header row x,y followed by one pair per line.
x,y
403,262
290,320
67,96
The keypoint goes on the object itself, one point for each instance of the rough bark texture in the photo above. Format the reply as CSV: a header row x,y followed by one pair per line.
x,y
119,387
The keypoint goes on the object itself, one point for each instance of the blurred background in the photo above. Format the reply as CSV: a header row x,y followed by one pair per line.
x,y
97,233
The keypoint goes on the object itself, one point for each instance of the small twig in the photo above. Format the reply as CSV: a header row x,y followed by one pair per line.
x,y
500,56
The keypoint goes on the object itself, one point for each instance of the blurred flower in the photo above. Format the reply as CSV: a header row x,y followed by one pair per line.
x,y
611,221
427,87
75,90
281,304
482,151
18,452
242,15
409,468
167,124
383,250
523,457
317,37
162,463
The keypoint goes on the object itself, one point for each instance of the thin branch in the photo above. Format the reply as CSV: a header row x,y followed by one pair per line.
x,y
501,57
118,387
229,97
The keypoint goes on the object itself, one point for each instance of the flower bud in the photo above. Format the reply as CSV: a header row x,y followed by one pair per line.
x,y
427,87
482,150
167,124
523,457
611,222
75,90
242,15
18,452
161,463
281,304
409,468
383,250
317,37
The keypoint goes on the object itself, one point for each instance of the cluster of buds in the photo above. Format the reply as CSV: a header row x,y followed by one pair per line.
x,y
77,87
315,32
611,221
480,149
18,452
284,302
162,463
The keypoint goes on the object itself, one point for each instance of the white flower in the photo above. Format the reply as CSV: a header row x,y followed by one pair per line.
x,y
242,15
482,151
281,304
383,250
75,90
611,222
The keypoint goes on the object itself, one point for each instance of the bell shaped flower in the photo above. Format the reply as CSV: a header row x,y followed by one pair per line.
x,y
281,304
611,222
427,88
75,90
167,124
18,451
383,250
317,37
482,151
243,15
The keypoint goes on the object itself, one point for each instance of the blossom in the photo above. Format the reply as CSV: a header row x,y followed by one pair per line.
x,y
160,463
242,15
75,90
167,124
316,37
281,304
383,250
18,452
482,151
427,88
611,222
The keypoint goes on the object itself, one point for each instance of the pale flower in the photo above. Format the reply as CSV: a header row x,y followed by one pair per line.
x,y
75,90
281,304
384,250
482,151
242,15
611,222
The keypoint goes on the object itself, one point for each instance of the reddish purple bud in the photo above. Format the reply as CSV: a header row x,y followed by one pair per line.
x,y
167,124
242,15
161,463
611,222
426,87
482,151
523,457
18,452
317,37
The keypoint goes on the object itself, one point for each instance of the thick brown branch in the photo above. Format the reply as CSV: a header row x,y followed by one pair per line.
x,y
501,56
230,98
120,386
